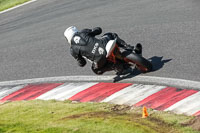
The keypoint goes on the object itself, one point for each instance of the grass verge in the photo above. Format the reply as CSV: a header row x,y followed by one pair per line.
x,y
68,117
5,4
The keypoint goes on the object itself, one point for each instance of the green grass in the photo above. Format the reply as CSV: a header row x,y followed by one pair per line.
x,y
5,4
67,117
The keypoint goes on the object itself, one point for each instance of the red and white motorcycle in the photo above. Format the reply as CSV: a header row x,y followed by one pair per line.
x,y
116,55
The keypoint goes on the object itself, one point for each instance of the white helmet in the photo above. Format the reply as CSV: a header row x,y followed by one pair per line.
x,y
69,33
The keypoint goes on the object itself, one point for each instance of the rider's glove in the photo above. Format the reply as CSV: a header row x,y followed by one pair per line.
x,y
96,31
81,62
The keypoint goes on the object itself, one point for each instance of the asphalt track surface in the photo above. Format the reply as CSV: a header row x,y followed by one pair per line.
x,y
32,44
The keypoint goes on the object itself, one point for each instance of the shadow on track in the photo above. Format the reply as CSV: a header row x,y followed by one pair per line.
x,y
156,61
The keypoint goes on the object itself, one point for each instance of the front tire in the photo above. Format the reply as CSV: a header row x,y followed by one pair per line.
x,y
141,63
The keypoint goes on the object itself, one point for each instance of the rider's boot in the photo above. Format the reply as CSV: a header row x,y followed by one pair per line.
x,y
118,68
138,49
122,69
109,66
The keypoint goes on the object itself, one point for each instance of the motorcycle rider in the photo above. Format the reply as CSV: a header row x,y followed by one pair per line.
x,y
84,44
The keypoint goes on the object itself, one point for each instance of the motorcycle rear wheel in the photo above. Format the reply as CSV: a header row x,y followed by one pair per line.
x,y
141,63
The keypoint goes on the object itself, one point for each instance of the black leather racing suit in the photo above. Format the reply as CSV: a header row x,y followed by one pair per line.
x,y
85,45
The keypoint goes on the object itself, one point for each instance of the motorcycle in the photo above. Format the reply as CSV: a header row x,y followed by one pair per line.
x,y
117,55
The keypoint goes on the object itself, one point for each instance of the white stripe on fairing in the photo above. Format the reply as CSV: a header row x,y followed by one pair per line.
x,y
133,94
65,91
8,90
189,105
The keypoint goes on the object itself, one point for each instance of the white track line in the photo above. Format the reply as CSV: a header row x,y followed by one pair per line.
x,y
17,6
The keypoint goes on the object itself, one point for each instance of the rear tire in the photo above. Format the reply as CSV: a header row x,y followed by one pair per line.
x,y
141,63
